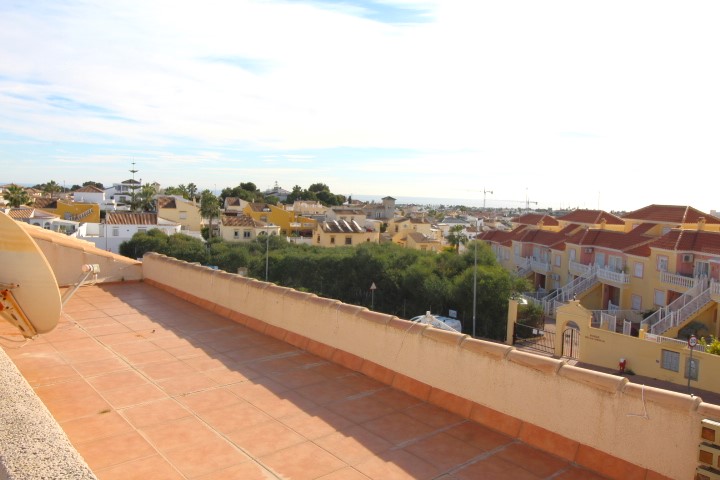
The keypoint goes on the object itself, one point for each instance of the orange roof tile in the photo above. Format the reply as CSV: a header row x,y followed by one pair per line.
x,y
90,189
535,219
240,220
690,241
593,217
166,202
45,203
128,218
677,214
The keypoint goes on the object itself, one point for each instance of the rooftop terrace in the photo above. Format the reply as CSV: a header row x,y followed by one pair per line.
x,y
147,385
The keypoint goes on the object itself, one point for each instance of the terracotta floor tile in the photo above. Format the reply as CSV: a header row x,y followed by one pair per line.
x,y
297,377
325,392
107,329
347,473
108,451
130,348
361,409
148,356
185,351
98,367
155,412
228,376
238,416
178,433
39,360
577,473
186,384
128,396
81,343
259,390
433,416
148,468
111,381
96,426
66,332
92,354
316,423
210,399
51,374
541,463
494,468
161,370
360,383
354,444
303,462
444,451
265,438
206,362
28,348
244,471
206,457
395,398
398,465
284,405
398,428
76,403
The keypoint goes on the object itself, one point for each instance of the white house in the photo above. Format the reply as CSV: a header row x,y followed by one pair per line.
x,y
120,227
92,194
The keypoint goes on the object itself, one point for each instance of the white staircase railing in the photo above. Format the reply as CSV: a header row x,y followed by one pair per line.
x,y
569,290
677,280
611,276
627,327
682,308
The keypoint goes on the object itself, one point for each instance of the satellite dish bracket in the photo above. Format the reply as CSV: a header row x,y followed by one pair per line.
x,y
15,314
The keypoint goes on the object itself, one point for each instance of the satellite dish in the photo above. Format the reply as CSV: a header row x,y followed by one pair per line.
x,y
29,293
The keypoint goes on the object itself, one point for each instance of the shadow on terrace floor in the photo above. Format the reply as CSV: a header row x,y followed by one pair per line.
x,y
147,385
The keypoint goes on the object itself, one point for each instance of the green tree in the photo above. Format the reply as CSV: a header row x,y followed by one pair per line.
x,y
93,184
146,198
191,191
180,191
209,208
51,188
16,196
456,237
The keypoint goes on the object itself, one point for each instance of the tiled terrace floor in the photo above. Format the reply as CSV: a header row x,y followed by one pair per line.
x,y
149,386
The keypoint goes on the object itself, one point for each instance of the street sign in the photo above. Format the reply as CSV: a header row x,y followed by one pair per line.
x,y
692,341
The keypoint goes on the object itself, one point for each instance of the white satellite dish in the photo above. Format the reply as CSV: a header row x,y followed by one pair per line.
x,y
29,293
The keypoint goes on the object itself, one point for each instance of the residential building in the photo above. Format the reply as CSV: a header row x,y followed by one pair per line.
x,y
120,227
244,228
341,233
383,211
348,214
278,192
399,228
420,241
234,205
291,224
180,210
93,194
81,212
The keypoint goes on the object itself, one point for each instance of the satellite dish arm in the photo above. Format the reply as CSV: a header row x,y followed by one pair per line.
x,y
87,270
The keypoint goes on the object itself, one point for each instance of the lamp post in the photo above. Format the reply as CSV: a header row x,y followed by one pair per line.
x,y
475,283
372,296
267,252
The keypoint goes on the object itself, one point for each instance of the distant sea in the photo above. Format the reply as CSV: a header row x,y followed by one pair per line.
x,y
438,201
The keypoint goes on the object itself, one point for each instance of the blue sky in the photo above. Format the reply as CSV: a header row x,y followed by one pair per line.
x,y
568,103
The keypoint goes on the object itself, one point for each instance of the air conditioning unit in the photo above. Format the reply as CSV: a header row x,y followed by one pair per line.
x,y
589,250
687,257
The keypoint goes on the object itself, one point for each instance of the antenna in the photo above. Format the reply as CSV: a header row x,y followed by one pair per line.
x,y
485,192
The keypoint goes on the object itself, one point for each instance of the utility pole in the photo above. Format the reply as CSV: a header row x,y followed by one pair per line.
x,y
485,192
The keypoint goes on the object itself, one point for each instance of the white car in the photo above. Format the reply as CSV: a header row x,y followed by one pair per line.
x,y
435,320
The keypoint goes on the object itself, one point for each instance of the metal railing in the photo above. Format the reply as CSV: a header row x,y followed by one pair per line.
x,y
540,266
577,268
660,339
680,309
568,291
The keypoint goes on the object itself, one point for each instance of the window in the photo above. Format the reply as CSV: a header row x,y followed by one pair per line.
x,y
639,269
692,368
659,298
246,234
572,254
670,360
183,215
662,263
116,232
332,240
236,233
142,229
318,239
348,240
557,260
636,302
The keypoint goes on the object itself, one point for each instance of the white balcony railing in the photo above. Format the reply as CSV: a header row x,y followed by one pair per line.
x,y
540,266
577,268
677,280
611,276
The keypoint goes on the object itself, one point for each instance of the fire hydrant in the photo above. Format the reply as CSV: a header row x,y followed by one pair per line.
x,y
621,365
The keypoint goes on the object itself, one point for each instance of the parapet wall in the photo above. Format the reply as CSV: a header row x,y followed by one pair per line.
x,y
600,421
66,256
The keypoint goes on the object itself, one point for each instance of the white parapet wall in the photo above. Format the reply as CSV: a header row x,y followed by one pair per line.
x,y
595,419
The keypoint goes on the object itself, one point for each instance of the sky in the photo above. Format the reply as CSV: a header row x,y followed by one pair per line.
x,y
589,104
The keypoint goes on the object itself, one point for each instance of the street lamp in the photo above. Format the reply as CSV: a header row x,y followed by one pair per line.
x,y
475,282
267,252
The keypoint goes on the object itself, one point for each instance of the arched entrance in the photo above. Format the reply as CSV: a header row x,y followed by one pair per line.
x,y
571,341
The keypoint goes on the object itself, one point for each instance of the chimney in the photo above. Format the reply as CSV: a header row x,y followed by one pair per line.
x,y
701,224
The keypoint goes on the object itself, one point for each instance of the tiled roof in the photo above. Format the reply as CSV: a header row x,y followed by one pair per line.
x,y
260,207
421,238
690,241
341,226
90,189
677,214
612,240
20,213
240,220
131,182
45,202
535,219
166,202
348,211
544,237
127,218
233,202
593,217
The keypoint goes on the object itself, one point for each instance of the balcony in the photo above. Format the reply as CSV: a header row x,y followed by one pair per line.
x,y
577,268
540,266
677,280
607,275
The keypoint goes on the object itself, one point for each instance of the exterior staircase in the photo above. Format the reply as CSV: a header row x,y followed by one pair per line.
x,y
80,216
682,309
569,291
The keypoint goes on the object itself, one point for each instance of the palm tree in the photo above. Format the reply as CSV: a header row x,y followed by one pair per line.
x,y
16,196
147,192
51,188
456,237
209,208
191,191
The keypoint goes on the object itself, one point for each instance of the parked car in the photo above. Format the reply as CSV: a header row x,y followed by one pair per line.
x,y
433,320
